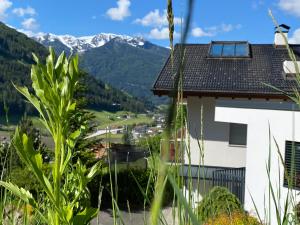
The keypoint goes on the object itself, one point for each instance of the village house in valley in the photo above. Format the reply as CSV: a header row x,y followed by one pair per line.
x,y
241,90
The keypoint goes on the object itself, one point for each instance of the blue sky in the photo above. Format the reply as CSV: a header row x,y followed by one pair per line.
x,y
212,20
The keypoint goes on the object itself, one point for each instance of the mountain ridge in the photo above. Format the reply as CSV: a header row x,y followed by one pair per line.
x,y
15,63
128,63
84,43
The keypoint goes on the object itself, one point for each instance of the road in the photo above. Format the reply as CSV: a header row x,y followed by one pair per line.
x,y
101,132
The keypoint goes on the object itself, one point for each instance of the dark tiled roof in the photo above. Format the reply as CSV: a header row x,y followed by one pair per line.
x,y
229,76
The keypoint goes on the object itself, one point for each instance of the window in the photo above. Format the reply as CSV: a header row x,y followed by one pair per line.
x,y
229,49
292,164
238,134
241,49
216,50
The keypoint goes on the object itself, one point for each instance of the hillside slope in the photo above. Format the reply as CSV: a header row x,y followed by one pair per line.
x,y
15,60
126,67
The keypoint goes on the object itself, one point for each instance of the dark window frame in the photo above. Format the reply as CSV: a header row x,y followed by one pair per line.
x,y
243,126
289,145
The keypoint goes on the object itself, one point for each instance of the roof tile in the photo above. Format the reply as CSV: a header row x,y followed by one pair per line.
x,y
229,75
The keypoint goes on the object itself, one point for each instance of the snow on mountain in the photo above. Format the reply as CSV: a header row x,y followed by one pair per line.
x,y
82,44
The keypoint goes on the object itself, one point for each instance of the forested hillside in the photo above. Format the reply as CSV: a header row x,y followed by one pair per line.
x,y
129,68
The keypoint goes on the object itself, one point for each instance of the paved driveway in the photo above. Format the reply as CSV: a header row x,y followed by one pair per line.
x,y
133,218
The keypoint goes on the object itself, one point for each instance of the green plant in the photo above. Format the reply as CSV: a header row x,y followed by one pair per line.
x,y
127,136
26,127
132,188
23,177
219,200
53,97
235,218
152,143
297,211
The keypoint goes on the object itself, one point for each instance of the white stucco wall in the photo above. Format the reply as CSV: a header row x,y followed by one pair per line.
x,y
284,125
217,151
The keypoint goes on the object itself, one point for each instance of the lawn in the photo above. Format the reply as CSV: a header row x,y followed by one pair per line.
x,y
105,119
112,138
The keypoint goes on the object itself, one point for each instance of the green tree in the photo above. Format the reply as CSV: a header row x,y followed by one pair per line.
x,y
54,85
127,136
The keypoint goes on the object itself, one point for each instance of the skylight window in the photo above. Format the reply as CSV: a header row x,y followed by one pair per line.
x,y
216,49
229,49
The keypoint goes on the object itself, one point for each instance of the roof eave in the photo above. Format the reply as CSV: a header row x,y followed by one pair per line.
x,y
217,94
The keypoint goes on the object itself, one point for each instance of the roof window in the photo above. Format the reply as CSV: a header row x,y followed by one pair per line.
x,y
229,49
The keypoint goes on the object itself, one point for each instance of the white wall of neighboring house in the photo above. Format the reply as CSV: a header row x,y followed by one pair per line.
x,y
262,116
217,151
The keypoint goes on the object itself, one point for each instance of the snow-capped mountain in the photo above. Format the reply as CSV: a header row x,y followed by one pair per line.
x,y
74,44
125,62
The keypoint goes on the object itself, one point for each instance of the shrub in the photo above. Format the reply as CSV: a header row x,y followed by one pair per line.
x,y
24,178
152,143
235,218
218,201
127,189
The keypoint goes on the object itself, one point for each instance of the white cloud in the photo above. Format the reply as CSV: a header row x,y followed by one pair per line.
x,y
214,30
199,32
161,34
290,6
156,19
4,6
24,11
28,33
120,12
30,24
295,39
257,4
227,27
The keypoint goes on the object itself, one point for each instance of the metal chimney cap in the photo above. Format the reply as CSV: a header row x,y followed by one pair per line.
x,y
285,28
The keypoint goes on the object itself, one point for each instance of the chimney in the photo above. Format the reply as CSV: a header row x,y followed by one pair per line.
x,y
279,39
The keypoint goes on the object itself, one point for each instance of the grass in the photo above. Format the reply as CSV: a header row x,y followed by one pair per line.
x,y
104,118
111,119
138,164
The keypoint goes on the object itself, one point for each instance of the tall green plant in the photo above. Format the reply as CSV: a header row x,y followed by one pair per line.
x,y
54,84
175,113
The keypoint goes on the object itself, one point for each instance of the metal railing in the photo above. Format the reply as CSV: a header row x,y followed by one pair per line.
x,y
233,179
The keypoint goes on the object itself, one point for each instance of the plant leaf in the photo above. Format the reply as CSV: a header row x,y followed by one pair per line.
x,y
94,170
23,194
84,217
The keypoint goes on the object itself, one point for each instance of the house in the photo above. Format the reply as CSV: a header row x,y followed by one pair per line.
x,y
232,85
139,131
